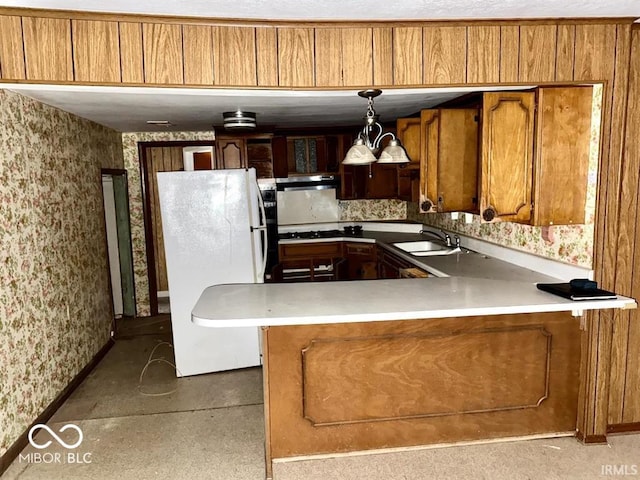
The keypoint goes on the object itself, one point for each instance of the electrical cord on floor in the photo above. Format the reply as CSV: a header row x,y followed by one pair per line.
x,y
154,360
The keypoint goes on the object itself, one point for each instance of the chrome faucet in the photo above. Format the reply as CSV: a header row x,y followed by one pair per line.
x,y
442,235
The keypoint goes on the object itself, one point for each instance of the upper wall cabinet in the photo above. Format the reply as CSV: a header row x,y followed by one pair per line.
x,y
449,160
11,48
561,167
507,156
536,174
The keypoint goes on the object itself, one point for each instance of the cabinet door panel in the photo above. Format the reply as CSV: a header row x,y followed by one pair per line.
x,y
47,49
429,136
162,44
562,155
457,177
507,149
96,51
231,153
11,49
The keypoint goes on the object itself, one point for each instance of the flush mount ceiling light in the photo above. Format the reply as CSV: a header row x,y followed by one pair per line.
x,y
367,143
239,120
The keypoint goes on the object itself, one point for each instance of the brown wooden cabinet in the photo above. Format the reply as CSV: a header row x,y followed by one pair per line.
x,y
408,176
310,262
361,260
561,159
390,265
449,160
245,151
507,156
535,155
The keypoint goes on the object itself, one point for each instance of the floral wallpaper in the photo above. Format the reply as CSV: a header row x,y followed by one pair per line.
x,y
568,243
55,302
136,211
361,210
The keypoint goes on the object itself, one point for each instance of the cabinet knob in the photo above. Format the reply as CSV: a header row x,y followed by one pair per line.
x,y
426,206
489,214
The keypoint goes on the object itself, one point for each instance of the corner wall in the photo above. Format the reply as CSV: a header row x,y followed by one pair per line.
x,y
55,301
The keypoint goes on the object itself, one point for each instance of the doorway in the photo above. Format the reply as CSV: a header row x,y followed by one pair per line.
x,y
120,253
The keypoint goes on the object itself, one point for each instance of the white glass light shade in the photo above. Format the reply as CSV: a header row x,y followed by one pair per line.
x,y
394,153
359,154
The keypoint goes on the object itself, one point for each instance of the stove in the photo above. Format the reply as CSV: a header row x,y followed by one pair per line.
x,y
318,234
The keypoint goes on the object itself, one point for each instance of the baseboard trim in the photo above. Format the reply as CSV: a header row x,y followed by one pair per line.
x,y
623,427
14,450
591,439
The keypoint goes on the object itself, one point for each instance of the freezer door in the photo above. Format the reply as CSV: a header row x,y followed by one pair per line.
x,y
208,240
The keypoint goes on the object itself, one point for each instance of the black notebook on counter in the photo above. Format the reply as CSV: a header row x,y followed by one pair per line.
x,y
572,292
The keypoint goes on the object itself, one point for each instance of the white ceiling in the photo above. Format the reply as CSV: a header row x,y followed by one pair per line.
x,y
350,9
127,109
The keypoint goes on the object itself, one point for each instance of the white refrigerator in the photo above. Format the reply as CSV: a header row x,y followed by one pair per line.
x,y
214,232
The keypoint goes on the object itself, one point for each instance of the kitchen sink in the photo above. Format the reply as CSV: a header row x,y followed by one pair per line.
x,y
425,248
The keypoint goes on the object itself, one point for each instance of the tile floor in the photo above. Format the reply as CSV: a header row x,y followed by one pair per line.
x,y
211,427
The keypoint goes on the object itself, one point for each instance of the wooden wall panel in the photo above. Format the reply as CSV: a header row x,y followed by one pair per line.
x,y
537,53
197,44
328,58
131,52
357,57
296,57
382,56
509,53
445,55
339,346
483,54
565,52
47,49
11,48
235,56
624,396
267,56
595,54
407,56
631,187
96,51
162,48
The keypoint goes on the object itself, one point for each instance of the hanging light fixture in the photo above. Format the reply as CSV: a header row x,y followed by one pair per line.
x,y
367,143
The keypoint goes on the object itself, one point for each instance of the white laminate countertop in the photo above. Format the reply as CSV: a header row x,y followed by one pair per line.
x,y
271,304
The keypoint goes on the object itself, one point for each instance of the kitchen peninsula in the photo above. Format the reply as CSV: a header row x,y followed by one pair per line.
x,y
364,365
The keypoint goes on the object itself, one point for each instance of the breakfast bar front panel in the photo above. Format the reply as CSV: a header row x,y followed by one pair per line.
x,y
349,387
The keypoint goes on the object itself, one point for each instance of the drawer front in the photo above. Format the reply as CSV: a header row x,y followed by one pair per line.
x,y
310,250
363,249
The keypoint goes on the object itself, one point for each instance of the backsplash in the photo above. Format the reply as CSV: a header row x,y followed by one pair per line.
x,y
55,301
136,212
362,210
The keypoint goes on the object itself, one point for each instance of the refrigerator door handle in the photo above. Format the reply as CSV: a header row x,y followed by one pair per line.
x,y
263,232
